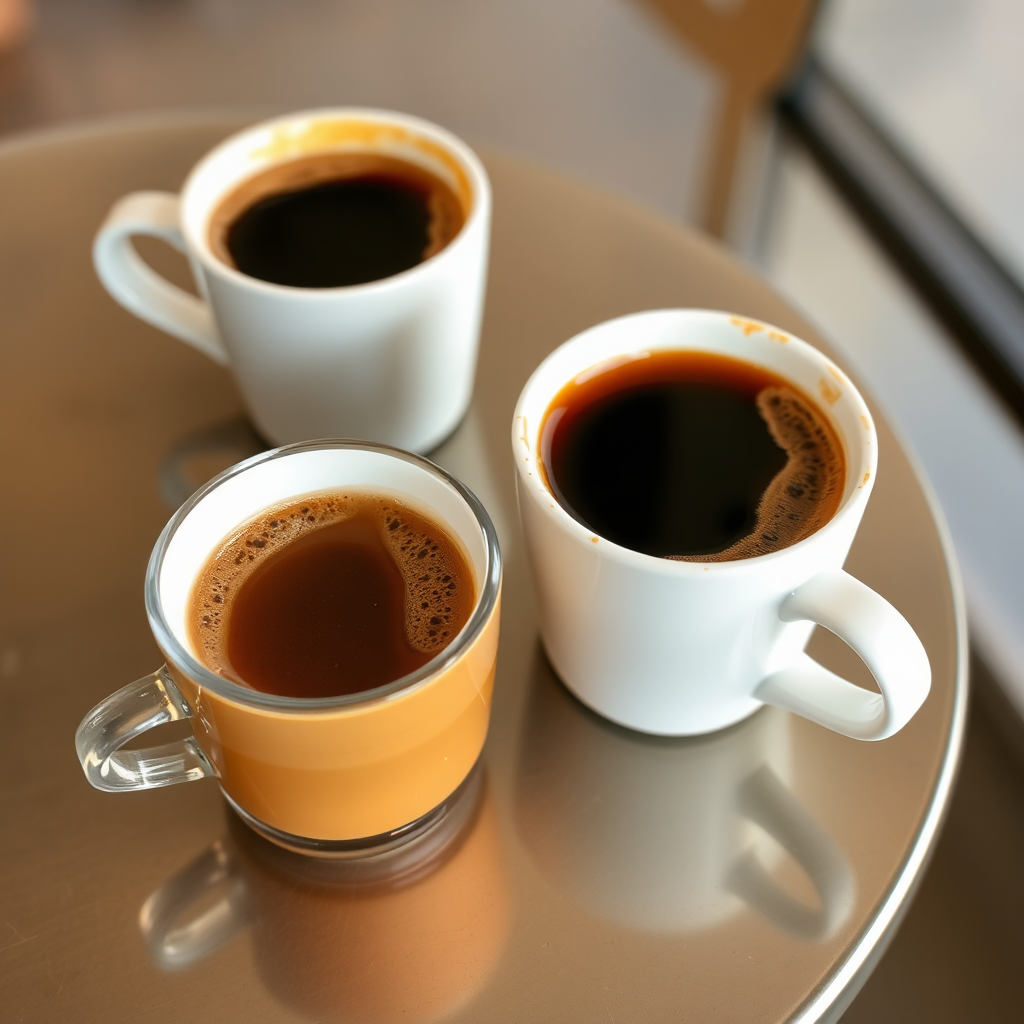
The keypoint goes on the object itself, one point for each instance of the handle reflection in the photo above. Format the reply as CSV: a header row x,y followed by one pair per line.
x,y
764,800
202,454
174,947
407,935
671,835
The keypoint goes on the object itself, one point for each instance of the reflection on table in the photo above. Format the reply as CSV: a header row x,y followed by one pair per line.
x,y
671,835
408,934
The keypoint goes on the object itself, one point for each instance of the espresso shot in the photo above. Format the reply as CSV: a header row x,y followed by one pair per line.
x,y
330,595
693,456
335,220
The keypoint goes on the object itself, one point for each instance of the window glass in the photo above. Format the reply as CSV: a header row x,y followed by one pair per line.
x,y
945,80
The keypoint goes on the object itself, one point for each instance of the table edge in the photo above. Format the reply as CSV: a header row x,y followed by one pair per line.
x,y
835,996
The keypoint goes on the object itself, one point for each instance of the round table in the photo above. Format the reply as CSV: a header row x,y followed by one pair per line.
x,y
593,873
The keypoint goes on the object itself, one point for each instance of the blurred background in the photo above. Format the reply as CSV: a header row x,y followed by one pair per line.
x,y
866,156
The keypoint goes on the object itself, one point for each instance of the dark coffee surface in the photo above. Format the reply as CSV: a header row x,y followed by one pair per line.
x,y
335,220
332,595
692,456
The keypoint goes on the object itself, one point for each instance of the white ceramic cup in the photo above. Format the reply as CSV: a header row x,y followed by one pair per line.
x,y
680,648
392,360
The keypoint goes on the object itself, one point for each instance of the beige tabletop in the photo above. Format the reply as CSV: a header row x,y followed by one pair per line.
x,y
588,873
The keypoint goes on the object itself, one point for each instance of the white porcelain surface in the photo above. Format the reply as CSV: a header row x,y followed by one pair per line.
x,y
679,648
391,360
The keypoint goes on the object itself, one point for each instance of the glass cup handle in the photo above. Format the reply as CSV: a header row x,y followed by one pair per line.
x,y
175,946
879,635
137,287
144,704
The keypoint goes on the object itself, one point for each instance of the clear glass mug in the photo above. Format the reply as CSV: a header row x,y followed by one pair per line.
x,y
321,775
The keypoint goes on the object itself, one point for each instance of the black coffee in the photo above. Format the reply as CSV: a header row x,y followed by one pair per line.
x,y
335,220
692,456
334,594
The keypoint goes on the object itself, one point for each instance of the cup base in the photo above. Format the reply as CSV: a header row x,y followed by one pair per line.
x,y
352,849
647,722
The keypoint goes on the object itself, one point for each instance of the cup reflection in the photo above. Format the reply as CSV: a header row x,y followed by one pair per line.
x,y
408,934
671,835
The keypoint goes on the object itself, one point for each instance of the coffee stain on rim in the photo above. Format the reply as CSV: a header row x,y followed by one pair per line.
x,y
829,392
292,141
748,327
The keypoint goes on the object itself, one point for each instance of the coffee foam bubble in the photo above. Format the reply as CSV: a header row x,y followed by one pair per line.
x,y
439,591
432,580
805,493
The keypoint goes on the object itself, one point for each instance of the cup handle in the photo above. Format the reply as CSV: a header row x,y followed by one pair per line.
x,y
144,704
134,284
176,947
878,634
765,801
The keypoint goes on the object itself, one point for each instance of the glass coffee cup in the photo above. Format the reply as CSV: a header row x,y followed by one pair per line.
x,y
326,774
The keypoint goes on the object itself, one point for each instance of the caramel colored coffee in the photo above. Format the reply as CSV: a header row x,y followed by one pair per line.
x,y
334,594
692,456
335,219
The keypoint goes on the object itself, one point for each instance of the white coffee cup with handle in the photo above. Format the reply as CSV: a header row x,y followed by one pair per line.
x,y
679,648
391,360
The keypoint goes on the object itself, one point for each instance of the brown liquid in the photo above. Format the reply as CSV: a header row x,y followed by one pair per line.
x,y
330,595
335,219
693,456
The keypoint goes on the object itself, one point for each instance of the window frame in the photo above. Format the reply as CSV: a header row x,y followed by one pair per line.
x,y
953,271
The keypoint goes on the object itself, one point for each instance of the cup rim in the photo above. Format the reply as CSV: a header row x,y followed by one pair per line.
x,y
851,507
183,659
480,184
